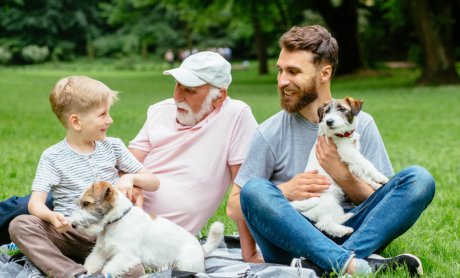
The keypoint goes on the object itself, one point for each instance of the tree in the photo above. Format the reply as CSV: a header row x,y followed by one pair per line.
x,y
342,20
433,23
63,26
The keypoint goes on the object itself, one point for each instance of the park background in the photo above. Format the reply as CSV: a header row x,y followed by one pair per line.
x,y
399,56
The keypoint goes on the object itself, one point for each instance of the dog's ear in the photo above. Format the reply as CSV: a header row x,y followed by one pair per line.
x,y
321,112
103,190
355,104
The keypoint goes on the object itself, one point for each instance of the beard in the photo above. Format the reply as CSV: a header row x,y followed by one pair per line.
x,y
305,96
190,118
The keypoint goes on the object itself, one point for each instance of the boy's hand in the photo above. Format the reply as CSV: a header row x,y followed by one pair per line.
x,y
59,222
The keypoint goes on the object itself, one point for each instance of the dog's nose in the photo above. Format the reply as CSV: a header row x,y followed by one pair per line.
x,y
74,225
330,122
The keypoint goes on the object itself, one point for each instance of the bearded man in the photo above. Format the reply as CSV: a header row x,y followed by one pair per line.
x,y
194,143
272,175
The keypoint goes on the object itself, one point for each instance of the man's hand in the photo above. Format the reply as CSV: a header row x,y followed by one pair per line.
x,y
138,197
329,159
59,222
305,185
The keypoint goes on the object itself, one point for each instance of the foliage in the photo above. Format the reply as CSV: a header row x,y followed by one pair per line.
x,y
49,23
34,53
5,55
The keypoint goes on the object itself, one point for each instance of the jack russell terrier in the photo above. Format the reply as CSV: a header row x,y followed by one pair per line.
x,y
337,121
128,236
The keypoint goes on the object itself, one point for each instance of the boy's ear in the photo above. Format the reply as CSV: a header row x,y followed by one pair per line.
x,y
74,122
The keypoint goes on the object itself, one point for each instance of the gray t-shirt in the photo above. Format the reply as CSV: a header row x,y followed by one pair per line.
x,y
281,146
66,173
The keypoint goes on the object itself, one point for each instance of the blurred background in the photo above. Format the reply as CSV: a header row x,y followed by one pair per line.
x,y
371,33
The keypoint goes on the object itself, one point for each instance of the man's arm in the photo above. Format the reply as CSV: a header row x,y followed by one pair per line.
x,y
248,244
138,154
329,159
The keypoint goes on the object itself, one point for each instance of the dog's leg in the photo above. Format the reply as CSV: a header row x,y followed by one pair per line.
x,y
120,263
95,261
333,229
363,168
344,218
305,205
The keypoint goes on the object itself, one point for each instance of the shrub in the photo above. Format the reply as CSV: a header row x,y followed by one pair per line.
x,y
5,55
34,53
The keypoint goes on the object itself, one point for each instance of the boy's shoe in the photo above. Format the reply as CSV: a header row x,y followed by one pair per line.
x,y
413,264
304,263
30,270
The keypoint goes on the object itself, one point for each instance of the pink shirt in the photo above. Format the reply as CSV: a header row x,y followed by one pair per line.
x,y
192,162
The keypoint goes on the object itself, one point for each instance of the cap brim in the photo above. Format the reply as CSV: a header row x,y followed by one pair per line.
x,y
185,77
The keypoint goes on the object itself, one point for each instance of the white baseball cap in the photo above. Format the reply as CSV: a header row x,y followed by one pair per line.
x,y
205,67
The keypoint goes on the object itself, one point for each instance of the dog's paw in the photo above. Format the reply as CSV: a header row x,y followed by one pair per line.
x,y
334,229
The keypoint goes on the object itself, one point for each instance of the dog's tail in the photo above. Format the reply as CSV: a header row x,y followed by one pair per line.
x,y
215,236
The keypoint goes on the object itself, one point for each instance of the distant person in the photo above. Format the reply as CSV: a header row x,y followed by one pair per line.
x,y
272,175
169,57
194,143
66,169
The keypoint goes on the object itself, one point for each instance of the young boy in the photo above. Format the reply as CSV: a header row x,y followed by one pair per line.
x,y
85,156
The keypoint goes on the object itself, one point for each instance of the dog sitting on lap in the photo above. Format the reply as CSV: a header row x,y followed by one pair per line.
x,y
337,121
127,236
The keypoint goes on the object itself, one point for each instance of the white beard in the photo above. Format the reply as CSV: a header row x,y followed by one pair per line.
x,y
189,118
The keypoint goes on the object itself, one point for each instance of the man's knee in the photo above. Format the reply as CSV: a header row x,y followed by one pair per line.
x,y
423,186
252,189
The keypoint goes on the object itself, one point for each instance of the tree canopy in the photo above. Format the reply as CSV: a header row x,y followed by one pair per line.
x,y
369,32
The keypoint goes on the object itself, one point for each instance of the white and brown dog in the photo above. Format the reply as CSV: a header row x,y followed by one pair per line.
x,y
337,121
127,236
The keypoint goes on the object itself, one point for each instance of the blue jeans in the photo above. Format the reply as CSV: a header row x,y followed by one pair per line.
x,y
283,234
12,207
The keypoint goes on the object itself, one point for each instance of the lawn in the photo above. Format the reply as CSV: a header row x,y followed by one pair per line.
x,y
420,125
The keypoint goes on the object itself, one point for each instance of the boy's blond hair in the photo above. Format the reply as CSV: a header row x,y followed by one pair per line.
x,y
79,94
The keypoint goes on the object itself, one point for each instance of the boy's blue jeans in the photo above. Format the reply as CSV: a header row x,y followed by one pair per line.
x,y
12,207
282,233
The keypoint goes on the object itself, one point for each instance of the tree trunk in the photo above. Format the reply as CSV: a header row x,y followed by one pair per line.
x,y
259,39
343,23
439,64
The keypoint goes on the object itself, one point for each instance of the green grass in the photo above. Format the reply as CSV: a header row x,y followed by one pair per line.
x,y
420,125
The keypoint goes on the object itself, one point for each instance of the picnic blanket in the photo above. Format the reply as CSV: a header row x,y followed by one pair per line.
x,y
224,262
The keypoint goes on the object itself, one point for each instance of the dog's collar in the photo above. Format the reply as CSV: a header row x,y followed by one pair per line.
x,y
346,134
123,215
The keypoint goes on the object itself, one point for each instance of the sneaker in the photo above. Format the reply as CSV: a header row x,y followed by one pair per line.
x,y
304,263
379,263
30,270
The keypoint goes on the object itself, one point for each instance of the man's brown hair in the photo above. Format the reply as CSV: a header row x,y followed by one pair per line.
x,y
315,39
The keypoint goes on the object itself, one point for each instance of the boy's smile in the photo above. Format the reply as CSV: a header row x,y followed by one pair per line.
x,y
95,123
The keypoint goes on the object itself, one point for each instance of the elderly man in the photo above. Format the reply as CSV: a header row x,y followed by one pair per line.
x,y
272,175
194,143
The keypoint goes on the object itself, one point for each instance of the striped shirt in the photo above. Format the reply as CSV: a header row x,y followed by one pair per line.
x,y
66,173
